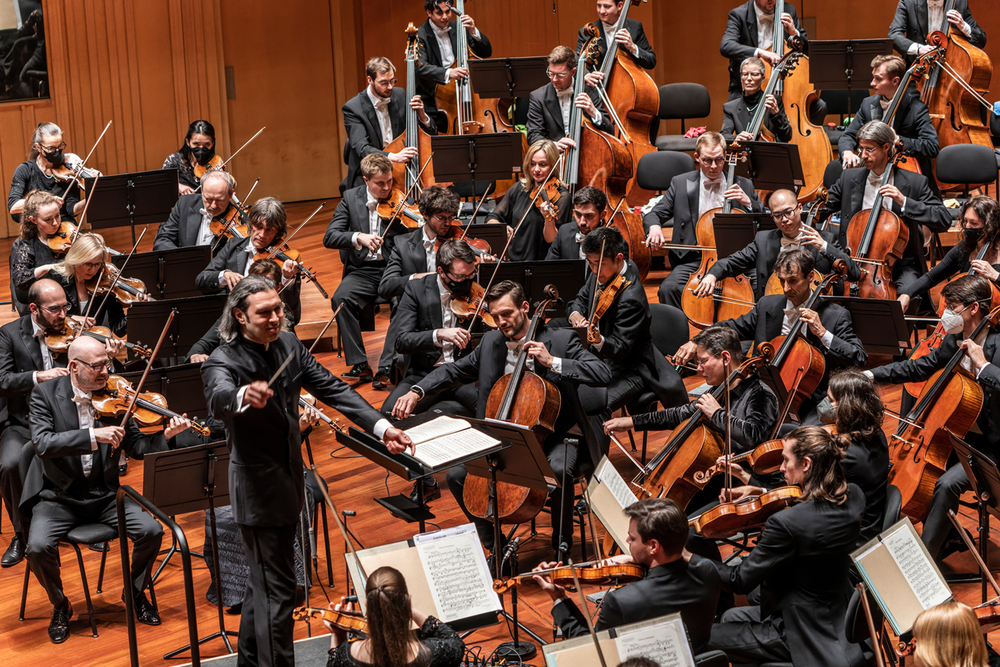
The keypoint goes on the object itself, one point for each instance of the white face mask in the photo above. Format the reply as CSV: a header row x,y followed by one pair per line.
x,y
952,321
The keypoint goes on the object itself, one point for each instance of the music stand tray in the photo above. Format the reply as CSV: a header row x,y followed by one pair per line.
x,y
878,323
140,198
181,385
194,317
507,77
476,157
735,231
168,274
568,276
772,166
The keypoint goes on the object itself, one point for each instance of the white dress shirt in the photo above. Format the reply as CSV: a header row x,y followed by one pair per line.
x,y
935,21
872,186
443,38
765,29
374,224
250,253
792,316
710,192
39,334
85,413
566,104
447,322
205,235
382,113
514,349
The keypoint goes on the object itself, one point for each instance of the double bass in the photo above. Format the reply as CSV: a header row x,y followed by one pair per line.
x,y
917,70
413,136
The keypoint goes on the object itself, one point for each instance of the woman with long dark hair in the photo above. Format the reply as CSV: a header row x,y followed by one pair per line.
x,y
198,149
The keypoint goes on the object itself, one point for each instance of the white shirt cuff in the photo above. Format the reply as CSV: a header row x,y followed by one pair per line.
x,y
869,374
222,278
980,371
381,426
557,365
475,33
239,399
756,53
436,338
354,240
914,47
966,29
635,49
599,345
93,439
596,118
902,209
827,339
34,378
447,75
823,247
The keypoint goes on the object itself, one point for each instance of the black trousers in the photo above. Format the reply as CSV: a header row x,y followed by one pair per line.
x,y
12,442
358,289
266,626
460,401
673,285
746,639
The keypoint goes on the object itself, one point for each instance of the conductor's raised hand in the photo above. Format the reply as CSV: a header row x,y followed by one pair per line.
x,y
398,442
257,394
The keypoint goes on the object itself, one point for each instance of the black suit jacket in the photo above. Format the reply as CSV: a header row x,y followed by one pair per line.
x,y
801,564
20,357
909,25
644,57
922,208
232,257
763,251
912,123
265,445
407,258
430,70
679,206
739,41
691,589
417,315
565,245
545,119
181,228
350,216
59,441
364,134
736,118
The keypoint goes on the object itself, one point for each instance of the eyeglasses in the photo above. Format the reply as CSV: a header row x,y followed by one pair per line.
x,y
559,76
61,146
98,367
702,362
867,151
953,306
711,161
751,75
93,265
55,310
438,217
778,216
386,82
458,279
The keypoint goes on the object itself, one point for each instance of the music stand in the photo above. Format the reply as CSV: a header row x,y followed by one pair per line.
x,y
189,480
494,234
181,385
834,64
735,231
168,274
568,276
195,316
140,198
878,323
771,166
471,157
985,479
508,77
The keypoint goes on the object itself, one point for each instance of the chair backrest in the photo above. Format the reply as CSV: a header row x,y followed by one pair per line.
x,y
836,101
657,169
684,100
893,505
966,163
711,659
832,172
669,327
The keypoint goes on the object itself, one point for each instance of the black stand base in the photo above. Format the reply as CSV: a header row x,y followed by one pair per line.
x,y
523,650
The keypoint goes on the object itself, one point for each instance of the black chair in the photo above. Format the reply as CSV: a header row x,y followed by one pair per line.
x,y
856,624
893,506
711,659
656,170
681,101
961,164
836,103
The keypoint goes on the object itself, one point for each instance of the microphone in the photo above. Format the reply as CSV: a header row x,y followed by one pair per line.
x,y
511,548
349,513
351,598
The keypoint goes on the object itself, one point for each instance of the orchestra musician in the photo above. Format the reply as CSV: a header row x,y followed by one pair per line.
x,y
829,324
190,221
967,302
360,232
439,41
631,38
750,33
73,478
198,149
757,259
912,121
676,582
915,19
549,106
909,196
589,210
39,219
537,228
737,113
689,197
949,634
623,332
413,256
800,563
376,116
262,425
46,155
557,356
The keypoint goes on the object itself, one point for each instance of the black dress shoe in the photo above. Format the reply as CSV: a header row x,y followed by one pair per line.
x,y
123,467
145,612
59,625
14,553
381,379
431,492
360,372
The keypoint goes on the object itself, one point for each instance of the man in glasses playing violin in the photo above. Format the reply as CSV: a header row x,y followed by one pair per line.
x,y
73,477
190,221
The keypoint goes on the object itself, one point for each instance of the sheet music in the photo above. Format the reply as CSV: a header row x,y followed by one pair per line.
x,y
666,643
436,428
437,452
610,477
457,573
916,568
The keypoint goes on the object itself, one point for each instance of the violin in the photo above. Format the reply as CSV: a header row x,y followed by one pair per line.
x,y
283,252
232,223
345,620
546,196
479,246
763,459
466,307
72,169
150,408
126,290
396,206
202,169
60,242
604,298
59,341
308,402
615,574
750,512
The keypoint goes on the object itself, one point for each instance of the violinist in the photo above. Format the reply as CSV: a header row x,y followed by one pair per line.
x,y
197,151
631,38
915,19
376,116
622,331
967,302
949,634
675,583
74,476
829,326
557,356
801,564
191,218
36,173
738,112
908,194
262,423
549,106
39,220
359,232
750,33
413,256
912,121
757,259
589,211
539,222
439,41
688,198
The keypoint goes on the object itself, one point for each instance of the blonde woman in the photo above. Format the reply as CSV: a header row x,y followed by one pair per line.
x,y
949,635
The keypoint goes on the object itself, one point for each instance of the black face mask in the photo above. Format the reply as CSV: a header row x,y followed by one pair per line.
x,y
973,234
203,154
54,157
459,287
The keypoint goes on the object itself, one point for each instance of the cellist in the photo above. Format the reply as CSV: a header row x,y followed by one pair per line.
x,y
557,356
632,38
967,302
915,19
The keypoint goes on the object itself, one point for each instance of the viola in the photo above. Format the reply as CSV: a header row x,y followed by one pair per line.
x,y
282,252
466,307
395,206
345,620
73,327
150,408
479,246
60,242
751,512
308,402
604,298
201,169
126,290
615,574
764,459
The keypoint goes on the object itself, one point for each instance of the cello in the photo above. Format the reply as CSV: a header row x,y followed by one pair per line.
x,y
920,447
524,398
414,136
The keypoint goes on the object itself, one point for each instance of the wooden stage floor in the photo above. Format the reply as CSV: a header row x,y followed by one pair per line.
x,y
354,482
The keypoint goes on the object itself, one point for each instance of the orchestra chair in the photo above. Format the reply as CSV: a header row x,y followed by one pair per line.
x,y
682,101
836,104
893,506
711,659
961,164
995,137
830,176
656,170
86,533
856,624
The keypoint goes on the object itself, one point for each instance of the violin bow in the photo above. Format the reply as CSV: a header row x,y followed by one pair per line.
x,y
729,429
281,368
489,189
531,204
340,523
972,548
83,216
402,201
223,165
76,176
114,281
326,326
610,108
284,241
598,548
583,610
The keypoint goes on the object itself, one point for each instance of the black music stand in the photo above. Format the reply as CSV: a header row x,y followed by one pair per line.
x,y
878,323
510,78
475,158
985,479
140,198
835,64
195,316
568,276
189,480
735,231
771,165
168,274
